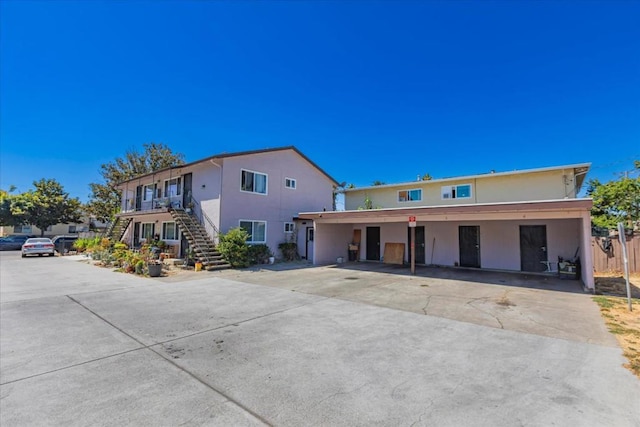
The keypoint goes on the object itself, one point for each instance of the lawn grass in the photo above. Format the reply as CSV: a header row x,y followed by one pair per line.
x,y
625,325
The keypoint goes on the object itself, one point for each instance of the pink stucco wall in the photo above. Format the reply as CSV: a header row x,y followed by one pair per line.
x,y
332,241
499,240
314,192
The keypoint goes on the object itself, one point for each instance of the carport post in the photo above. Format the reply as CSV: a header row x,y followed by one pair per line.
x,y
412,225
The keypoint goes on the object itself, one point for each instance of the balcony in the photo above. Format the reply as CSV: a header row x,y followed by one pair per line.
x,y
158,205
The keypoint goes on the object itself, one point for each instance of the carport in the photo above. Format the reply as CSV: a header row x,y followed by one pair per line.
x,y
514,236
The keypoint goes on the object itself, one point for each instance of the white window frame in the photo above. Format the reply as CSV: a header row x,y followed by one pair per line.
x,y
409,191
290,183
289,227
266,182
153,230
175,230
446,192
24,229
153,188
167,185
253,223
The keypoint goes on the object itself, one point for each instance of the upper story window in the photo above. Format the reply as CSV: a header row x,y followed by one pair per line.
x,y
456,191
173,187
148,192
414,195
253,182
290,183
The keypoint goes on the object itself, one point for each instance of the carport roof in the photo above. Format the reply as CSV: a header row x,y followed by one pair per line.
x,y
564,208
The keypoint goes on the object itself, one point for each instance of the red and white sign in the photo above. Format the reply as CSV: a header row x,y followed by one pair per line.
x,y
412,221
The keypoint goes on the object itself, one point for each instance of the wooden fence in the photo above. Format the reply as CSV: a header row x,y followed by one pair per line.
x,y
607,254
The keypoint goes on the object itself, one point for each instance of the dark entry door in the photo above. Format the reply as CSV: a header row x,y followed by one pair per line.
x,y
469,242
533,247
420,253
373,243
136,234
138,197
309,243
187,180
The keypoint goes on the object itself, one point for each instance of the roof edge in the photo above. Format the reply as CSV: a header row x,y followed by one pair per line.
x,y
235,154
476,176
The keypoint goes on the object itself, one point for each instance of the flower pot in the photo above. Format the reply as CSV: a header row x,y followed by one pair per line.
x,y
272,259
155,270
198,266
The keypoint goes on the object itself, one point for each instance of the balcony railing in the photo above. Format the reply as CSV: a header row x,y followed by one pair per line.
x,y
152,205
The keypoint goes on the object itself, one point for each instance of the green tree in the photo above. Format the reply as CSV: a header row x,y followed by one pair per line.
x,y
427,177
616,201
378,182
6,217
105,199
48,204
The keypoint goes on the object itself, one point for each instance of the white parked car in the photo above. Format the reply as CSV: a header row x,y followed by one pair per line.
x,y
38,246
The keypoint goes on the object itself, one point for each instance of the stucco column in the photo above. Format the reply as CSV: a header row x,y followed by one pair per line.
x,y
586,252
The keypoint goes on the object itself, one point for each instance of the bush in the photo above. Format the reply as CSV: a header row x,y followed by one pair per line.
x,y
289,251
81,244
234,248
259,254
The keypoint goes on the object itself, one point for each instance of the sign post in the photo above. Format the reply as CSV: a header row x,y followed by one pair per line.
x,y
412,225
623,243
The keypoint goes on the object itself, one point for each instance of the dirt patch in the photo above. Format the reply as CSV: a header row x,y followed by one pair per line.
x,y
625,325
614,284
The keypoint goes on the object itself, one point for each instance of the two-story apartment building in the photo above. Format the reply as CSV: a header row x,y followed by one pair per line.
x,y
261,191
519,221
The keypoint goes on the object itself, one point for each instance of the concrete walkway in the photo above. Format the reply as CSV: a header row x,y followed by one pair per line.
x,y
81,345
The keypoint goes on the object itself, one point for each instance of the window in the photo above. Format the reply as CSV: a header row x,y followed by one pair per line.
x,y
173,187
456,191
26,229
254,182
147,230
72,229
410,195
257,231
290,183
149,190
289,227
169,231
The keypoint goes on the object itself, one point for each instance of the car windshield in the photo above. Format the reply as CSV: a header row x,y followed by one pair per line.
x,y
39,240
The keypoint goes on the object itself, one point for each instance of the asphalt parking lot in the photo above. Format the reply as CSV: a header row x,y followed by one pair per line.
x,y
82,345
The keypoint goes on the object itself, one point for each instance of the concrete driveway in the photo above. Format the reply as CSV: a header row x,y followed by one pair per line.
x,y
82,345
537,304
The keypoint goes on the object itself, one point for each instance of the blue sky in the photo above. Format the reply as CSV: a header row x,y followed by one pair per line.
x,y
370,90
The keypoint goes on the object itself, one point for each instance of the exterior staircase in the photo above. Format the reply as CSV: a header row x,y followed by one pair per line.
x,y
118,227
203,247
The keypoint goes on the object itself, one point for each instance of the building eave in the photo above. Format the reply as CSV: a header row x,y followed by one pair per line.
x,y
424,212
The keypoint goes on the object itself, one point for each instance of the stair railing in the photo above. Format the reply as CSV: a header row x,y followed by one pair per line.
x,y
203,218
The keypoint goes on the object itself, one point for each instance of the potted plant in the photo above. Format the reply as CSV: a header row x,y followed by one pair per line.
x,y
154,267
